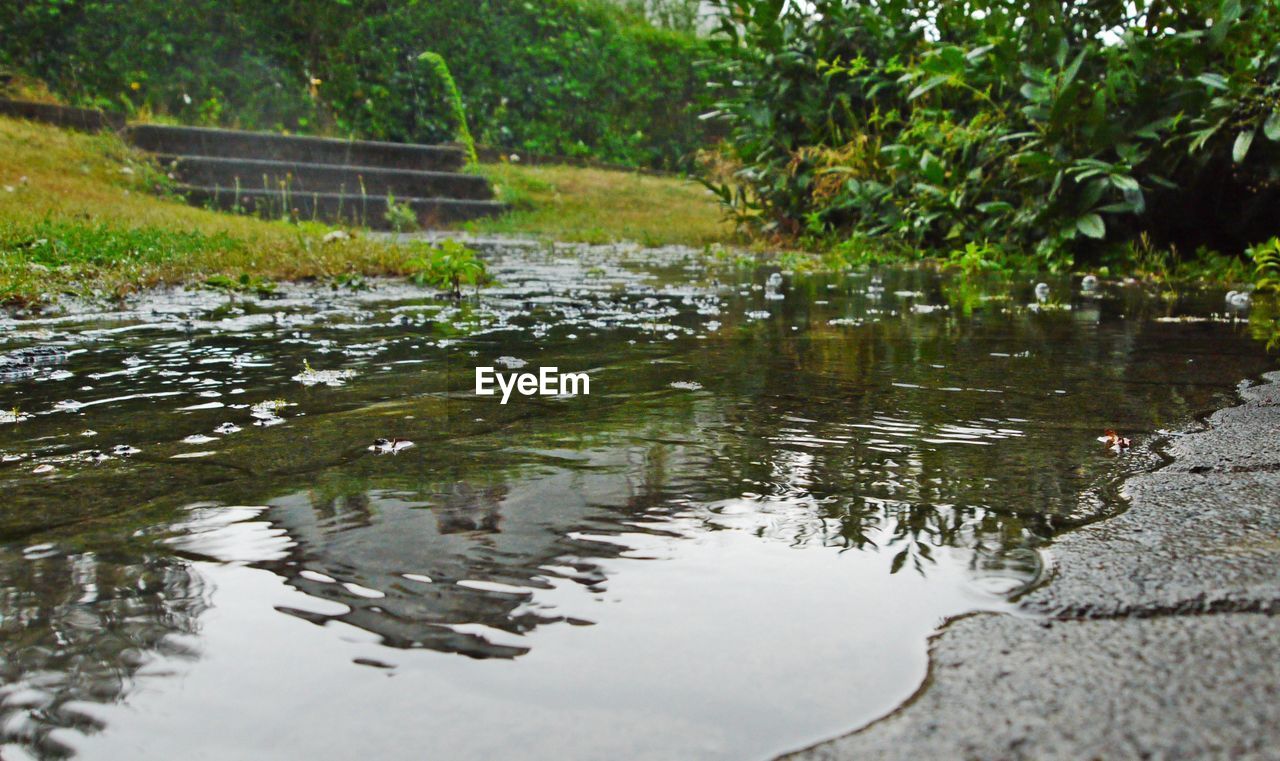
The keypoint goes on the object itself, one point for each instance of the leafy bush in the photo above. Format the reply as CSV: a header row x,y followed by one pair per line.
x,y
1266,259
1058,128
564,77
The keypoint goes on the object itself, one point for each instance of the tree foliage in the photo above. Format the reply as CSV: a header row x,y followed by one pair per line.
x,y
1062,128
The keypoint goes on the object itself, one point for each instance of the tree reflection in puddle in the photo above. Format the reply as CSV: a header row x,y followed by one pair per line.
x,y
737,544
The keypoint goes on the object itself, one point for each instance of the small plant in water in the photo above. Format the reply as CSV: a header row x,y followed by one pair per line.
x,y
246,283
977,257
448,265
350,281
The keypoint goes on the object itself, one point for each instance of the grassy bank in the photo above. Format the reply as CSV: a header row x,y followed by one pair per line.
x,y
603,206
80,214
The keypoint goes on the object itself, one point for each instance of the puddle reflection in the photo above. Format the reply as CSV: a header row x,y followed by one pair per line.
x,y
736,545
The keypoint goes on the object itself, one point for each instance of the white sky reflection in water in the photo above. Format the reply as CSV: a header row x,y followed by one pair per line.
x,y
707,645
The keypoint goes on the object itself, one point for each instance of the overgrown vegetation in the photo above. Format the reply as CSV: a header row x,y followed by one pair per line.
x,y
559,77
1081,134
78,215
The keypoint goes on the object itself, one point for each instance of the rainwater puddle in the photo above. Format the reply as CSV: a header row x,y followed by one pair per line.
x,y
216,537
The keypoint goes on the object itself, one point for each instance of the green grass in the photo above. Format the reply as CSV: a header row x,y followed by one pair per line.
x,y
87,215
80,214
587,205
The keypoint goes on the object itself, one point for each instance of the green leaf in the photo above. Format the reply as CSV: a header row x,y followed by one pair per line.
x,y
994,207
1202,136
1216,81
928,85
1241,147
1271,127
1057,183
1124,182
1117,208
932,168
1070,74
1092,226
978,52
1228,15
1093,192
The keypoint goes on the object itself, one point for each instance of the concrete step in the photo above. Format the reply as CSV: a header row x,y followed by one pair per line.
x,y
299,177
86,119
266,146
345,208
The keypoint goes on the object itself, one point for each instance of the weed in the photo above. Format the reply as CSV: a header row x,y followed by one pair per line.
x,y
400,216
448,265
350,281
435,62
977,258
246,283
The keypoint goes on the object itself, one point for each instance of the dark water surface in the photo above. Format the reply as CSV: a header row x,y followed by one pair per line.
x,y
736,545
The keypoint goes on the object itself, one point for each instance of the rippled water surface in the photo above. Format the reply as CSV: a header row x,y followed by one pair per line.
x,y
737,544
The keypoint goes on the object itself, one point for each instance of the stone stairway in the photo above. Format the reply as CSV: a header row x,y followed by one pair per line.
x,y
325,179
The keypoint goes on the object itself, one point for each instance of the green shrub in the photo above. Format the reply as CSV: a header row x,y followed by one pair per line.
x,y
1063,129
561,77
